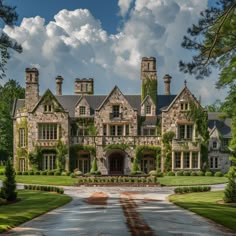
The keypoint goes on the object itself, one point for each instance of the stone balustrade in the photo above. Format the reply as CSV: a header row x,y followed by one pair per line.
x,y
106,140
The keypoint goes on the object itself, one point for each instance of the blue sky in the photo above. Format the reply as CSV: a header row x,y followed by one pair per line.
x,y
106,40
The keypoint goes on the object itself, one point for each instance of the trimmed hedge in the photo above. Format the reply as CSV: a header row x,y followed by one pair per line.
x,y
192,189
44,188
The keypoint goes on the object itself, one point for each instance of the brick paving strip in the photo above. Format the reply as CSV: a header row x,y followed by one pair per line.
x,y
134,221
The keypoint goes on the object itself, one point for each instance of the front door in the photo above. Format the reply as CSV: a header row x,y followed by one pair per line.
x,y
116,164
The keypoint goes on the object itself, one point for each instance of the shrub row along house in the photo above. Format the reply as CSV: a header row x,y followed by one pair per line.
x,y
123,133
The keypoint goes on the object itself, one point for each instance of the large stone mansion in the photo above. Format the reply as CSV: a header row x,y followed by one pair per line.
x,y
112,128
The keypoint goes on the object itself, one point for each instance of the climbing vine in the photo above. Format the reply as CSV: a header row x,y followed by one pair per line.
x,y
35,157
167,141
74,149
149,87
139,154
61,150
199,116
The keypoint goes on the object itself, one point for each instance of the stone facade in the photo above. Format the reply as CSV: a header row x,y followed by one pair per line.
x,y
112,128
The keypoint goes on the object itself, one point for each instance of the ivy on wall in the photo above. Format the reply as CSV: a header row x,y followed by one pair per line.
x,y
149,87
74,149
35,157
21,152
167,142
139,150
61,150
199,116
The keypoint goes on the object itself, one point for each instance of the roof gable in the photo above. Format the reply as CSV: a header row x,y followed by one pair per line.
x,y
118,95
148,100
48,97
184,91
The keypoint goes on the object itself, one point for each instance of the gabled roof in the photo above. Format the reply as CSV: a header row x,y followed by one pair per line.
x,y
146,98
48,93
184,89
109,95
222,125
69,102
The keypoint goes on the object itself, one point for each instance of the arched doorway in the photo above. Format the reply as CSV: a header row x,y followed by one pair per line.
x,y
116,163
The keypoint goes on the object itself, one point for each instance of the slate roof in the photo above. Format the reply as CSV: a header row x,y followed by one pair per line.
x,y
69,102
17,104
223,125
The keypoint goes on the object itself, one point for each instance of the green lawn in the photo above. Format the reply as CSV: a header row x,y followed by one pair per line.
x,y
205,204
2,168
167,180
32,204
44,179
191,180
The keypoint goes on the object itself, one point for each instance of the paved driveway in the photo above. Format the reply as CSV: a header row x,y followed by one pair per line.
x,y
126,209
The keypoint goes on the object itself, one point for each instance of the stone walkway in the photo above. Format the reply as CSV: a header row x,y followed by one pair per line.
x,y
148,205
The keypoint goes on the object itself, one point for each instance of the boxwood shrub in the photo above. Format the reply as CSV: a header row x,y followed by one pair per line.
x,y
194,173
200,173
170,173
208,173
179,173
186,173
192,189
44,188
218,174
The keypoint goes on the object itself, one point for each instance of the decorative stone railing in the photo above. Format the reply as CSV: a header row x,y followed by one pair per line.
x,y
106,140
47,143
179,145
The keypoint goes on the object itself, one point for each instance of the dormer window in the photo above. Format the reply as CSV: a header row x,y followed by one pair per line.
x,y
148,110
48,108
82,110
184,106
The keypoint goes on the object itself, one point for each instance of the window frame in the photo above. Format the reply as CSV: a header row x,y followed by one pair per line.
x,y
48,131
82,110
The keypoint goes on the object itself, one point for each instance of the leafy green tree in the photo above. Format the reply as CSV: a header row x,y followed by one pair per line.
x,y
8,190
215,107
9,17
213,39
8,93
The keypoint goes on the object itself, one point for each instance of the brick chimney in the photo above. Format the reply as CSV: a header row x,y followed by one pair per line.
x,y
167,79
59,81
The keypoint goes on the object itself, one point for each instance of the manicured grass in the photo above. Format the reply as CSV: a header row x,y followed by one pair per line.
x,y
32,204
205,204
44,179
191,180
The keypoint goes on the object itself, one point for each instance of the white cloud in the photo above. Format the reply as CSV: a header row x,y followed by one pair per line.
x,y
124,6
75,45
